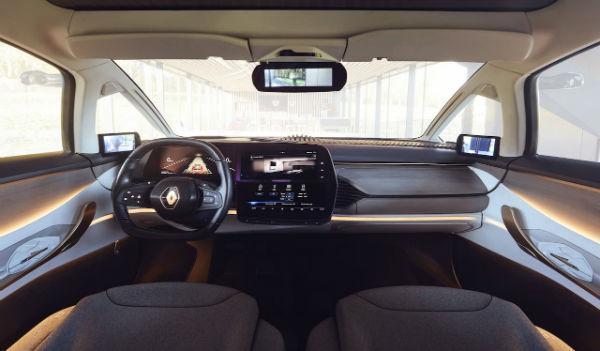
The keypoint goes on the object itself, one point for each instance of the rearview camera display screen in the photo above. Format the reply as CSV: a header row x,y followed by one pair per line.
x,y
479,145
299,77
118,143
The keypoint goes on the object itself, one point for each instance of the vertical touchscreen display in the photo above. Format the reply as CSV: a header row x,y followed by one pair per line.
x,y
295,185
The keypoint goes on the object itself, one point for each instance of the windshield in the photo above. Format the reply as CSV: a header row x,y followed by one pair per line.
x,y
216,97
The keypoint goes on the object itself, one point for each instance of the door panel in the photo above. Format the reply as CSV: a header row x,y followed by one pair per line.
x,y
555,217
43,209
33,199
572,205
493,234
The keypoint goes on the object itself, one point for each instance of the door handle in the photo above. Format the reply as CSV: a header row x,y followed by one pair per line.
x,y
514,229
577,270
50,245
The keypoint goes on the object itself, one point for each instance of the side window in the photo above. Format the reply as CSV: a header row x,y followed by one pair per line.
x,y
569,108
115,114
31,100
477,115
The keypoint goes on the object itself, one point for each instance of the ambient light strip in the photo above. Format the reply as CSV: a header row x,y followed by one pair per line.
x,y
101,219
134,210
401,218
341,218
43,211
406,219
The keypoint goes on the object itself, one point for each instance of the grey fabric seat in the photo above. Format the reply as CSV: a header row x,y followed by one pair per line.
x,y
157,316
425,318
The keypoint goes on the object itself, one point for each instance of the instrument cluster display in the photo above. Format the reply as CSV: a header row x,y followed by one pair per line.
x,y
179,161
275,183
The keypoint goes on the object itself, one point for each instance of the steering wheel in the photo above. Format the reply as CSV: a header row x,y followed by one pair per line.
x,y
194,208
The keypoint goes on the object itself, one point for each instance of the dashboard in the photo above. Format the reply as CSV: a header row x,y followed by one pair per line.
x,y
281,183
275,183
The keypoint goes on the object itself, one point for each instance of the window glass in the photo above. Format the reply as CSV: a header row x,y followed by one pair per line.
x,y
116,114
569,108
381,99
31,100
478,115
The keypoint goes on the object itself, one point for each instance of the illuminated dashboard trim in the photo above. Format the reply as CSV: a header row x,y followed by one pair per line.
x,y
443,218
461,222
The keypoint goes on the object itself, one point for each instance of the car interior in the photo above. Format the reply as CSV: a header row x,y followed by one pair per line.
x,y
299,175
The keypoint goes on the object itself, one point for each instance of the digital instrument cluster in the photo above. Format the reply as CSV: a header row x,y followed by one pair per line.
x,y
180,161
275,183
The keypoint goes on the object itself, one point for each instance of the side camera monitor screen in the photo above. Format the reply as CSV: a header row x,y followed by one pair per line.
x,y
299,77
118,143
478,145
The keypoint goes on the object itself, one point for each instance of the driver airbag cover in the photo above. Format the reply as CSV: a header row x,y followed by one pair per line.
x,y
159,316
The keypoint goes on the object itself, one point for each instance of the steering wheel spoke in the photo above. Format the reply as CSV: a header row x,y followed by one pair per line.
x,y
211,198
137,194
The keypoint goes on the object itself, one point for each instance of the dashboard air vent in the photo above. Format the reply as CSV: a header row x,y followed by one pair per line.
x,y
347,194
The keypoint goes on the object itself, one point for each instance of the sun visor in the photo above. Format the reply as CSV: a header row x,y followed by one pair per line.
x,y
464,45
158,46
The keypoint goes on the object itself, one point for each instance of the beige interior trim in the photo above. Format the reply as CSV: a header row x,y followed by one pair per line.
x,y
158,46
513,122
468,45
263,47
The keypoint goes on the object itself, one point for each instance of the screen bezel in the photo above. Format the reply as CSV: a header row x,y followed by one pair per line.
x,y
101,147
328,181
459,144
338,76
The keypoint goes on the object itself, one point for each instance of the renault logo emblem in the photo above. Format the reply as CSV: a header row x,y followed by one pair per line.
x,y
170,197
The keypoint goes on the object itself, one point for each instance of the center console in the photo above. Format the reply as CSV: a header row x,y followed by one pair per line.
x,y
280,183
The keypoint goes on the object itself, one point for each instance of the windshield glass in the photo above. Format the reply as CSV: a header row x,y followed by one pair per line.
x,y
216,97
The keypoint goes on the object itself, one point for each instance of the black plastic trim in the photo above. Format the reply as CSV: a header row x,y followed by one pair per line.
x,y
574,171
375,153
98,159
23,167
531,113
68,111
